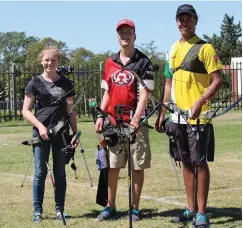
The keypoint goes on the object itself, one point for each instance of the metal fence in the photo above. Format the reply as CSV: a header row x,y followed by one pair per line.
x,y
14,80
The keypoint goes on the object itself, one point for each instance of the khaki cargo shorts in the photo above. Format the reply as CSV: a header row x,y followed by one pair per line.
x,y
140,152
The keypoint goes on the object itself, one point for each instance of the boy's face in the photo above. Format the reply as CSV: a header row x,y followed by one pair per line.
x,y
126,35
49,61
186,24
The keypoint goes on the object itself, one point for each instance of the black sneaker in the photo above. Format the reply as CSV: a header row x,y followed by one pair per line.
x,y
107,214
37,217
185,216
136,215
202,221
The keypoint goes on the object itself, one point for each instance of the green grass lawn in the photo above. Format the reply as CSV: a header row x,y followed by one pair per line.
x,y
161,197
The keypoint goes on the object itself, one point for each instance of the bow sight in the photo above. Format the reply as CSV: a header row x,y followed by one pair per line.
x,y
62,70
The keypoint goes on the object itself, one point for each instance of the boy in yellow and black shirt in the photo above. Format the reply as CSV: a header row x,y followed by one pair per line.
x,y
188,86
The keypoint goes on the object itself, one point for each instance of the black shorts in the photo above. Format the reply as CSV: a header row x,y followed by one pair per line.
x,y
183,143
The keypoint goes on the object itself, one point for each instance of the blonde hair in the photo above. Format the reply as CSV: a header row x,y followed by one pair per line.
x,y
53,49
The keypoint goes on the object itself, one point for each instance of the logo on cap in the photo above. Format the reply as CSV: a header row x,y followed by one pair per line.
x,y
125,22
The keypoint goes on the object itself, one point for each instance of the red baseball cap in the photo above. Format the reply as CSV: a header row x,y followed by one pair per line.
x,y
125,22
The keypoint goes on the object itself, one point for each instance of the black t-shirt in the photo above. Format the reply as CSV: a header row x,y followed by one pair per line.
x,y
51,105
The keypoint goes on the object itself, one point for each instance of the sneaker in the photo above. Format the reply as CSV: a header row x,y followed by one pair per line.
x,y
202,221
37,217
136,215
107,214
59,216
186,216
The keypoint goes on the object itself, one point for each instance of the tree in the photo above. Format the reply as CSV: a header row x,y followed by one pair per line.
x,y
79,55
13,47
157,58
150,50
227,45
34,49
102,57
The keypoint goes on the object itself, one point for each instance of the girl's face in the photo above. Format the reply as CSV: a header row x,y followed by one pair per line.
x,y
49,61
186,24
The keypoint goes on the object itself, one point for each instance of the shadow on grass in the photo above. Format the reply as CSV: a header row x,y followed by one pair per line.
x,y
94,213
232,214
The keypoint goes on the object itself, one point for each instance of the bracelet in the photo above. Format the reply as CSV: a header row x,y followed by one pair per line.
x,y
100,115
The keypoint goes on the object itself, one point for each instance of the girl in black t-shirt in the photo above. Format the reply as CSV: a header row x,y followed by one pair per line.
x,y
52,105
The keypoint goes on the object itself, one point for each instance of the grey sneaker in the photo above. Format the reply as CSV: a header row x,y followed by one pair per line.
x,y
202,221
136,215
37,217
59,216
107,214
185,216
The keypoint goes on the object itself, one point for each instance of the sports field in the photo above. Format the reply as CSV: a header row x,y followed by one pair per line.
x,y
161,196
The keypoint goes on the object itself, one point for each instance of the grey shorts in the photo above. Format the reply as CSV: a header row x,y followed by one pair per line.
x,y
183,143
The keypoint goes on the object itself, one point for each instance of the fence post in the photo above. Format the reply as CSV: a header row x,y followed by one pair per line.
x,y
14,91
85,105
101,71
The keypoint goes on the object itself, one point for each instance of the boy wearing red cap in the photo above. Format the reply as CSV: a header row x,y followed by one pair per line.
x,y
122,88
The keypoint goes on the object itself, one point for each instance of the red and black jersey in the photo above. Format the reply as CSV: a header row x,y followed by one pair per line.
x,y
122,85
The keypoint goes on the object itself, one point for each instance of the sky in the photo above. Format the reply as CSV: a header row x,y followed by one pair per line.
x,y
92,25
